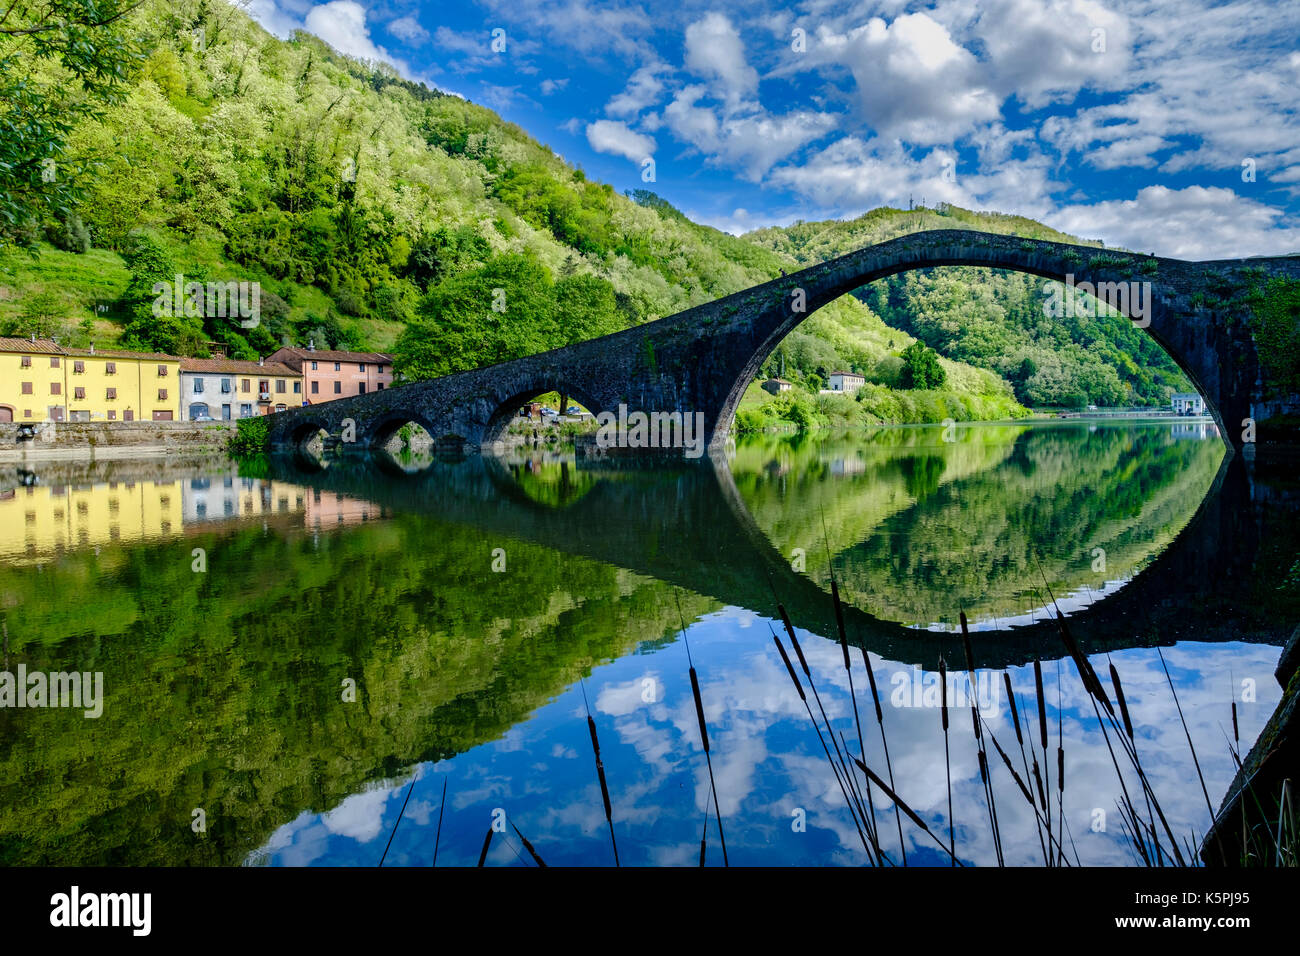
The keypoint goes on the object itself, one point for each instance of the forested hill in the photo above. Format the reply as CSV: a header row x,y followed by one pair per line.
x,y
378,214
994,319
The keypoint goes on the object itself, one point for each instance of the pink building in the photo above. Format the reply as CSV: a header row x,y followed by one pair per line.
x,y
328,374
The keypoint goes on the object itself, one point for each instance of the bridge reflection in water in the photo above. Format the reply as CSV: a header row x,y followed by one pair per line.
x,y
690,526
223,688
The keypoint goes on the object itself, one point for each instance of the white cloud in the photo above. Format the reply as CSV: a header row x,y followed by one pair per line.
x,y
408,28
1193,223
912,79
754,141
549,86
1036,48
643,90
612,136
714,51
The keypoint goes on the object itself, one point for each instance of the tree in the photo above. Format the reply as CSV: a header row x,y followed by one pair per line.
x,y
921,368
60,62
150,326
500,311
41,316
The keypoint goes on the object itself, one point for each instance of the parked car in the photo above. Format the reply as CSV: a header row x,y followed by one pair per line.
x,y
550,412
202,418
573,410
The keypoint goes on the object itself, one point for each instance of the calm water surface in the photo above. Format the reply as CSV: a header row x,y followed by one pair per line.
x,y
472,604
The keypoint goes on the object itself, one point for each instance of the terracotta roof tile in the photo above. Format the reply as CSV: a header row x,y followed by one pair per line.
x,y
236,366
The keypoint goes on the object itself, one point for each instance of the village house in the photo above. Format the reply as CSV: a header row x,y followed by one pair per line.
x,y
328,374
41,380
777,385
1187,403
846,382
227,389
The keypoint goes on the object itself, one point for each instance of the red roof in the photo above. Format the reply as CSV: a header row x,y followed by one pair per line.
x,y
27,346
296,356
236,365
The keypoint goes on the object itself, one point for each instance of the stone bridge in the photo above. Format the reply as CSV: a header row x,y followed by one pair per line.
x,y
700,361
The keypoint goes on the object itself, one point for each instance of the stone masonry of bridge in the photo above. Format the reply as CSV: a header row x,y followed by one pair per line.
x,y
701,360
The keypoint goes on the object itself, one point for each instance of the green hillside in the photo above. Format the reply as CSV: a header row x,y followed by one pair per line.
x,y
377,214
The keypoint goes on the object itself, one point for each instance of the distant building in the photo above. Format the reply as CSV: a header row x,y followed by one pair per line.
x,y
227,389
41,380
777,385
329,374
846,381
1187,403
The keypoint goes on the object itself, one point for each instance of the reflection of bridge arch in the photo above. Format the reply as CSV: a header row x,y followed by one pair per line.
x,y
701,360
689,527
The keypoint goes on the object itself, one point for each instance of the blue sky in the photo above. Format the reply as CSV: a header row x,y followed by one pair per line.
x,y
1165,126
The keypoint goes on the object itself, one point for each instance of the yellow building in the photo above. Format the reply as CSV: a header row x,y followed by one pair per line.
x,y
41,380
31,381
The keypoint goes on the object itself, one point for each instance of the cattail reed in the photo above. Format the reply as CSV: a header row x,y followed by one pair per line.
x,y
947,759
853,696
986,777
397,822
704,732
437,837
600,773
528,846
848,800
1123,704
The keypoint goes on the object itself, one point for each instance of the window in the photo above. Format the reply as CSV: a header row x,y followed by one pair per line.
x,y
110,368
112,414
79,392
112,395
162,394
313,366
264,387
56,388
54,361
338,367
338,388
198,385
361,366
78,367
279,385
27,388
27,413
380,386
381,369
225,386
297,388
128,416
245,387
162,370
27,361
245,410
315,388
361,388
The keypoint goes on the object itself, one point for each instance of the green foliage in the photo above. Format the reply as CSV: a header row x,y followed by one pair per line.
x,y
505,309
1275,323
921,368
252,437
61,63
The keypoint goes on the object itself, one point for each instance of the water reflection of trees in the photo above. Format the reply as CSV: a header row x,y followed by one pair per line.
x,y
921,525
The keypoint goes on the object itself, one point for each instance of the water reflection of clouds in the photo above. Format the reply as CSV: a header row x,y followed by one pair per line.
x,y
768,763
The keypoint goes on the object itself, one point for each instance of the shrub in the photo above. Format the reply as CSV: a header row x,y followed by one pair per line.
x,y
252,437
